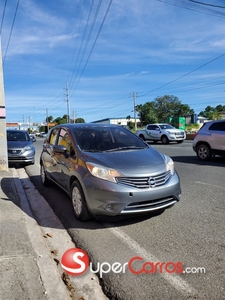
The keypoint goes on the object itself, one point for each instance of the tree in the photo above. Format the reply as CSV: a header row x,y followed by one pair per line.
x,y
49,119
161,109
79,120
184,110
221,109
212,113
169,106
61,120
147,113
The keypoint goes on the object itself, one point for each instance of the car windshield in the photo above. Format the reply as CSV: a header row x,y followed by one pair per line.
x,y
166,126
17,136
99,139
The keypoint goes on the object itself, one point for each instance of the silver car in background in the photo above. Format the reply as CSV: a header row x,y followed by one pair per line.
x,y
108,170
20,147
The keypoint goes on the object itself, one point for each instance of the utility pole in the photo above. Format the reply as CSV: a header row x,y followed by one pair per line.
x,y
3,139
47,119
135,121
29,124
74,116
68,103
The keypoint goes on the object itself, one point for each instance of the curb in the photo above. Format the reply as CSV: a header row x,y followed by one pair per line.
x,y
50,240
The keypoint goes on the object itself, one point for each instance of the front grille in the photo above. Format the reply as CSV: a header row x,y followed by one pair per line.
x,y
181,134
145,182
14,151
150,205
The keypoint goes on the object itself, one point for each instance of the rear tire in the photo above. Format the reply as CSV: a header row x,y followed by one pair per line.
x,y
204,152
79,203
45,181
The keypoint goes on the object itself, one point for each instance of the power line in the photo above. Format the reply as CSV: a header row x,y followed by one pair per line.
x,y
11,30
89,36
92,48
81,16
186,74
3,16
207,4
195,7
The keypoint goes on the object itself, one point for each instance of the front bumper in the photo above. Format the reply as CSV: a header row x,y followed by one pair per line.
x,y
117,199
25,158
173,137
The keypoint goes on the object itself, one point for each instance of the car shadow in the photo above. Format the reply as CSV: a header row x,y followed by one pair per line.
x,y
60,203
215,161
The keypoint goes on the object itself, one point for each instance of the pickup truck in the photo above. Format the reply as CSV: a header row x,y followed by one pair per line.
x,y
161,132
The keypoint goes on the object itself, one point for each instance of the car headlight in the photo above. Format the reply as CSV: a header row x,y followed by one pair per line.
x,y
169,164
103,172
27,148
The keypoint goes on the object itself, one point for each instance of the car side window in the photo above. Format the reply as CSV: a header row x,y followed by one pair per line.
x,y
53,136
218,126
65,140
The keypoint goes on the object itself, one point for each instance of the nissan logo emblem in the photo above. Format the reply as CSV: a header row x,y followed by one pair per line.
x,y
151,181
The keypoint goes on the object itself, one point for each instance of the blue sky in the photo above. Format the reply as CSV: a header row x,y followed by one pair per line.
x,y
106,50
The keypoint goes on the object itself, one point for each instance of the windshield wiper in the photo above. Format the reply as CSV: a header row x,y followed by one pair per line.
x,y
125,148
91,150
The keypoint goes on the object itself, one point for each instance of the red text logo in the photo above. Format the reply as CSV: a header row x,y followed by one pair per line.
x,y
137,266
75,261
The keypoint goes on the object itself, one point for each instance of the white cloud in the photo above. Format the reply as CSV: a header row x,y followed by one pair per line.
x,y
142,46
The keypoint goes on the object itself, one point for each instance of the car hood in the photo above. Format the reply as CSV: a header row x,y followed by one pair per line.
x,y
18,144
174,130
130,161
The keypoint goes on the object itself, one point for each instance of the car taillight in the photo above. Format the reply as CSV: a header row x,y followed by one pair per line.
x,y
196,133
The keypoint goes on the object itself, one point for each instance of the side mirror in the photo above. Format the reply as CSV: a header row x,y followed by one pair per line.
x,y
59,149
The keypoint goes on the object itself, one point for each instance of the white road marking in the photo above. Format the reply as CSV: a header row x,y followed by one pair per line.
x,y
209,184
174,280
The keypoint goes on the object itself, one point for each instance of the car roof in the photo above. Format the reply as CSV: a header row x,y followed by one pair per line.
x,y
214,121
160,124
86,125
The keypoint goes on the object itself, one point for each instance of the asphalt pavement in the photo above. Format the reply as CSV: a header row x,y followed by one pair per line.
x,y
32,242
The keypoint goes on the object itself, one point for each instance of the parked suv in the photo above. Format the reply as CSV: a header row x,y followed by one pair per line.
x,y
210,140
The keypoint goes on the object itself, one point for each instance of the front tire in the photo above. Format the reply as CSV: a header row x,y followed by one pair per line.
x,y
204,152
142,137
164,139
79,203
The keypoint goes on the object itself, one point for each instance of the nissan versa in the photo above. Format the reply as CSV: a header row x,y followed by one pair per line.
x,y
108,170
20,147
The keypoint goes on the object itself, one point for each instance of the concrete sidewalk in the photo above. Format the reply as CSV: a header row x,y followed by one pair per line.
x,y
32,243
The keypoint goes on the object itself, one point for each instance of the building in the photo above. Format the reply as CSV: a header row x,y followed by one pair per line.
x,y
117,121
12,125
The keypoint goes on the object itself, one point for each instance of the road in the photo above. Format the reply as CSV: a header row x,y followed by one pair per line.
x,y
191,232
